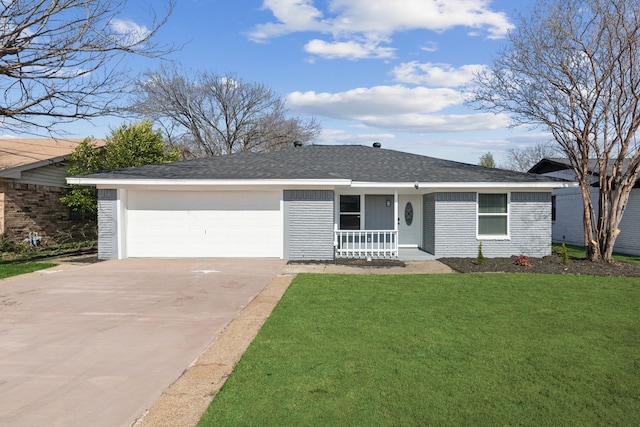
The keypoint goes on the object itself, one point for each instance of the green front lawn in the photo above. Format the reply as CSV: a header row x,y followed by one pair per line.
x,y
482,349
8,269
578,252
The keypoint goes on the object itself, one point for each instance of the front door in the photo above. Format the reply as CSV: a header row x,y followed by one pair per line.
x,y
409,221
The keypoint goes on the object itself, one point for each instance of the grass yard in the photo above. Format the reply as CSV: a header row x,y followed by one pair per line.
x,y
8,269
481,349
578,252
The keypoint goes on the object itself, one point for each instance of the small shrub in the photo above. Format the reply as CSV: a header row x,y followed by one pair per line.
x,y
6,245
480,258
523,261
564,256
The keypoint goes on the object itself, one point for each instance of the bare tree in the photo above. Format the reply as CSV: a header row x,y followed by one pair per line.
x,y
573,67
64,60
211,114
523,159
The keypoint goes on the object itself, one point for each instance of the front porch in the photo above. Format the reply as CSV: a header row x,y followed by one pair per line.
x,y
378,226
378,244
415,254
375,244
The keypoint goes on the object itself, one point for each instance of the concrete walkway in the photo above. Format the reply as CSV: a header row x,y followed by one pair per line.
x,y
411,267
96,345
183,404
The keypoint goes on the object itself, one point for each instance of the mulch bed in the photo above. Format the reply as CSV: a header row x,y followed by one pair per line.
x,y
549,264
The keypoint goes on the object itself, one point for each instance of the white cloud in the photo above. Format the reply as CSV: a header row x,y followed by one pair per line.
x,y
389,16
292,16
130,32
430,74
374,20
340,136
430,47
348,50
396,108
418,122
378,100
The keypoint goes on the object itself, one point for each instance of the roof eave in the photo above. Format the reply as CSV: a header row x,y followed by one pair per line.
x,y
418,184
121,183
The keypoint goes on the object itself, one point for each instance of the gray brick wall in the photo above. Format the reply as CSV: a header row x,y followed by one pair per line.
x,y
455,225
429,222
456,219
308,228
107,224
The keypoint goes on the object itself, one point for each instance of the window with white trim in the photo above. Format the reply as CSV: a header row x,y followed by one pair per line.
x,y
350,212
493,215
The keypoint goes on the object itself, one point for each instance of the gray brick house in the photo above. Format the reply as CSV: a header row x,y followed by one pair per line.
x,y
320,202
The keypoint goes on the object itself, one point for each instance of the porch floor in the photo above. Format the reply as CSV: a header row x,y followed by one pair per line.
x,y
414,254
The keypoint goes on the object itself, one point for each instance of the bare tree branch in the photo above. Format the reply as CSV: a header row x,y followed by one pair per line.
x,y
572,68
65,60
522,159
211,114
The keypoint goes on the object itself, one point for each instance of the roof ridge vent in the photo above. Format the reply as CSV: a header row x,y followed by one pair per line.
x,y
377,145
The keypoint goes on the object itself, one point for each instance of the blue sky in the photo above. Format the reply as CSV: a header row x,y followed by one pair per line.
x,y
369,70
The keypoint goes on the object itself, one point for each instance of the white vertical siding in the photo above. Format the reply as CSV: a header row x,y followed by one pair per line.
x,y
628,241
568,228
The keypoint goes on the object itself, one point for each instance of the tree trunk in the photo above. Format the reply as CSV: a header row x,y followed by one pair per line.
x,y
620,198
590,240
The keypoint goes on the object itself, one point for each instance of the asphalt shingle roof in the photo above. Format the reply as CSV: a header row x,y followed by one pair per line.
x,y
352,162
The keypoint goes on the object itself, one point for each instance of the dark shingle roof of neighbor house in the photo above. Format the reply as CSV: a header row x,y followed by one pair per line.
x,y
547,165
558,164
352,162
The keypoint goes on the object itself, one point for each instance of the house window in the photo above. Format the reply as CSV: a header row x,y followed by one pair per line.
x,y
493,215
553,208
350,212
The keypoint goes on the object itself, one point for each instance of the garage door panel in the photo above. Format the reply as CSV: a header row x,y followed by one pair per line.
x,y
247,224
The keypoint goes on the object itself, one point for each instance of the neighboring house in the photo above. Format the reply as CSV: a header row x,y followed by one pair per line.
x,y
32,180
320,202
569,212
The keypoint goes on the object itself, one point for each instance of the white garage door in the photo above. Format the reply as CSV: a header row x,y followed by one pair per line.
x,y
204,224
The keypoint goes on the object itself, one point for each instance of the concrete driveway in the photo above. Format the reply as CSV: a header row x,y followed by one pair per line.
x,y
98,344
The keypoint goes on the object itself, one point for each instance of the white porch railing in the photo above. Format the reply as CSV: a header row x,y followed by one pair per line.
x,y
366,243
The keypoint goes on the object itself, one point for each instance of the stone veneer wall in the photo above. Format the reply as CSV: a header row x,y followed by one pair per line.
x,y
28,207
